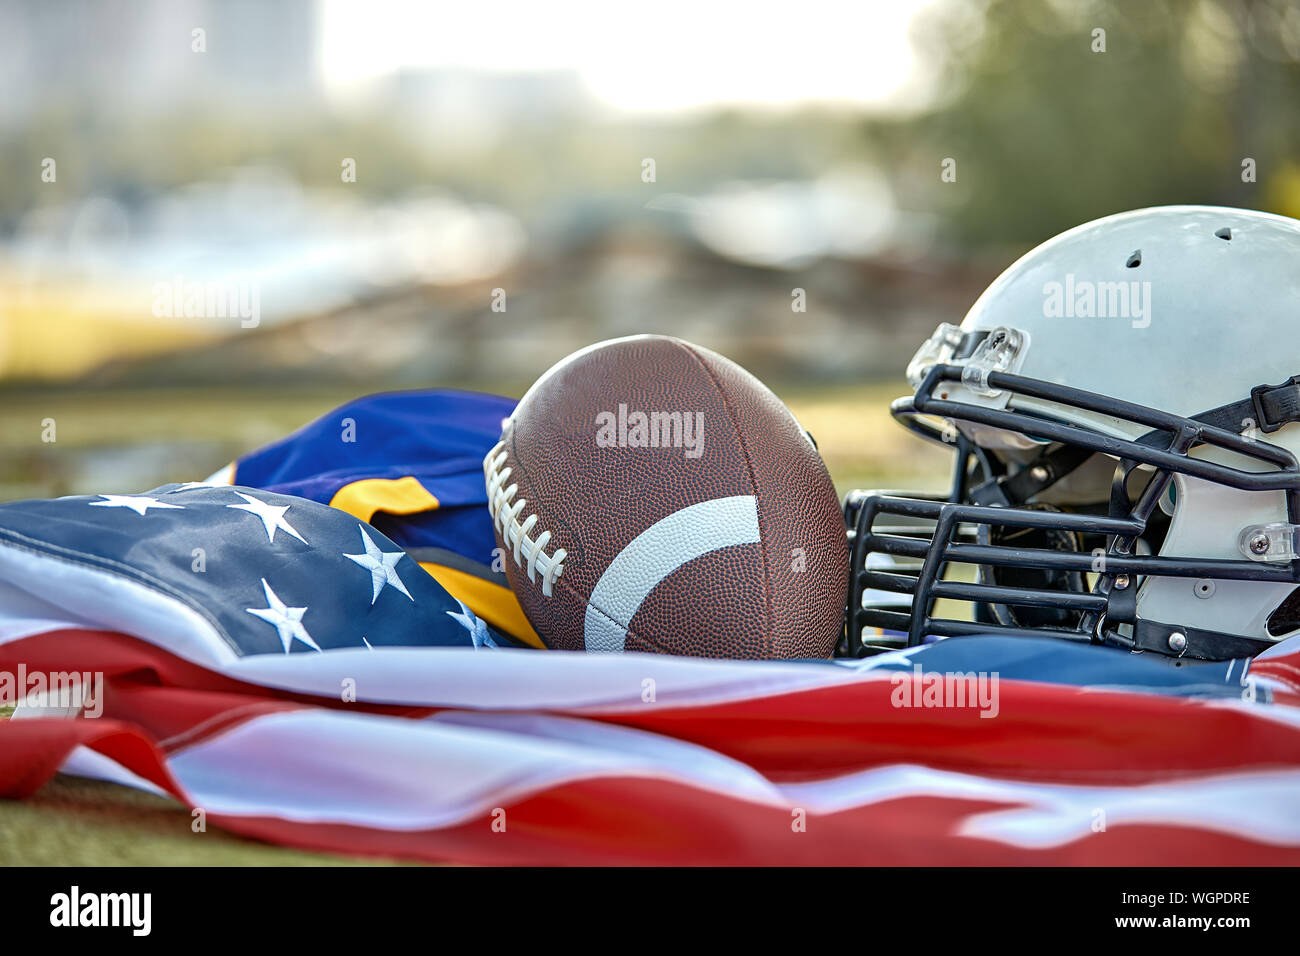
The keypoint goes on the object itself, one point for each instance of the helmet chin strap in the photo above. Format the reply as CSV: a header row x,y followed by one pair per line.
x,y
1268,408
1036,476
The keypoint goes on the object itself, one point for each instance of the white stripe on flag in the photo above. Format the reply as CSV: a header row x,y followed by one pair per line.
x,y
69,592
398,774
517,679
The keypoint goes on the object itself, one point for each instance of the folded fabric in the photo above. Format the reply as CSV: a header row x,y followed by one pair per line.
x,y
411,464
517,757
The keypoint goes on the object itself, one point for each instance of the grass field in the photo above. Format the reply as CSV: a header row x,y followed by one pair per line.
x,y
126,441
132,441
77,822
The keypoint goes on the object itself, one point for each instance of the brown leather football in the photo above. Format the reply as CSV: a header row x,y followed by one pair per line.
x,y
651,495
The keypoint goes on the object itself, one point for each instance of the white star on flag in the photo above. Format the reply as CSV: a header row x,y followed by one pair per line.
x,y
382,566
137,503
272,516
287,621
477,628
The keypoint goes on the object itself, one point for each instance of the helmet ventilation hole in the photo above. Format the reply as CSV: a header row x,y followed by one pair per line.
x,y
1224,233
1285,618
1134,260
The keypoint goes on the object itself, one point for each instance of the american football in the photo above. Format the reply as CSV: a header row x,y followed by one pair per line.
x,y
651,495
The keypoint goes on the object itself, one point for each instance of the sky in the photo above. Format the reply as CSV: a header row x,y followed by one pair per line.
x,y
661,56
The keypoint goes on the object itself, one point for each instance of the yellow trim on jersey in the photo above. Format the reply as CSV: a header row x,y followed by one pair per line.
x,y
403,496
398,496
492,602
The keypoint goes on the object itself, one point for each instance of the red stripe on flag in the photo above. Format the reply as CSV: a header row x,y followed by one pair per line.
x,y
200,701
635,821
158,703
632,820
1042,732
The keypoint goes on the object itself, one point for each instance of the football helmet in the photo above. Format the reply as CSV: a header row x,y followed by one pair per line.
x,y
1124,407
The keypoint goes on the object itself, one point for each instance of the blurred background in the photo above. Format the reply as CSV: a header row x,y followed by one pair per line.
x,y
220,218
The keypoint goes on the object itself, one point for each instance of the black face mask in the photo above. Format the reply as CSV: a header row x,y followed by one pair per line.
x,y
1041,571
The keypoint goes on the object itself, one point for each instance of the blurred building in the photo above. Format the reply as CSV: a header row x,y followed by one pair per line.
x,y
462,110
129,56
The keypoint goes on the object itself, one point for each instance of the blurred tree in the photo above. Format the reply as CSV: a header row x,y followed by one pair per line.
x,y
1049,128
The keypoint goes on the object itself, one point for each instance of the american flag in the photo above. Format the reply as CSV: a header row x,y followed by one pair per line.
x,y
281,665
